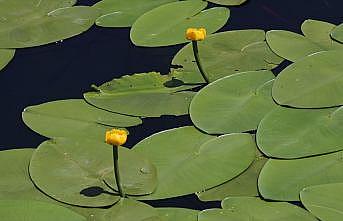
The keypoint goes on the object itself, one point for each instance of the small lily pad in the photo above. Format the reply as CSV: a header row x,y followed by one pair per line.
x,y
232,104
337,33
301,132
74,118
258,209
73,171
313,82
123,13
172,214
228,2
227,53
283,180
19,210
324,201
6,55
189,161
162,27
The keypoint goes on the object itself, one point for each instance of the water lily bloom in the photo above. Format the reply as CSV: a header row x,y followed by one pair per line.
x,y
196,34
116,137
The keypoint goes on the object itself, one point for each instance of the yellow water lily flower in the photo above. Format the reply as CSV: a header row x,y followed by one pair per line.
x,y
196,34
116,137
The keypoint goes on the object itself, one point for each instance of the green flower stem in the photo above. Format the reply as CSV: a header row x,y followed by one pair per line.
x,y
116,170
197,59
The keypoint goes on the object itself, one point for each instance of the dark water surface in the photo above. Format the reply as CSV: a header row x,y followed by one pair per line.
x,y
67,69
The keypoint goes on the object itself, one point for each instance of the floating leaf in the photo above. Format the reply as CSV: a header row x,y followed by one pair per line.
x,y
236,103
313,82
324,201
227,53
294,133
147,94
162,27
188,161
73,171
243,185
284,179
228,2
293,46
123,13
33,24
18,210
258,209
221,215
6,55
172,214
74,118
124,210
337,33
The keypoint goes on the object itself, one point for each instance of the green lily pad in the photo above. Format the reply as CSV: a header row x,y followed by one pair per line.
x,y
243,185
258,209
236,103
228,2
162,27
19,210
313,82
189,161
172,214
337,33
284,179
73,171
124,210
301,132
41,23
293,46
324,201
74,118
147,94
6,55
227,53
122,13
221,215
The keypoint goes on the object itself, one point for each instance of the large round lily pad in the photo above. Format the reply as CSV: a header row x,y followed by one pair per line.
x,y
162,26
124,210
6,55
74,172
172,214
301,132
313,82
221,215
324,201
123,13
19,210
337,33
243,185
74,118
236,103
147,94
284,179
36,23
293,46
189,161
258,209
227,53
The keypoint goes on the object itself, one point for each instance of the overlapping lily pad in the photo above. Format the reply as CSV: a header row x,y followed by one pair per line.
x,y
243,185
313,82
73,171
337,33
221,215
227,53
147,94
258,209
172,214
74,118
18,210
228,2
324,201
123,13
6,55
284,179
189,161
36,23
301,132
293,46
162,27
236,103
